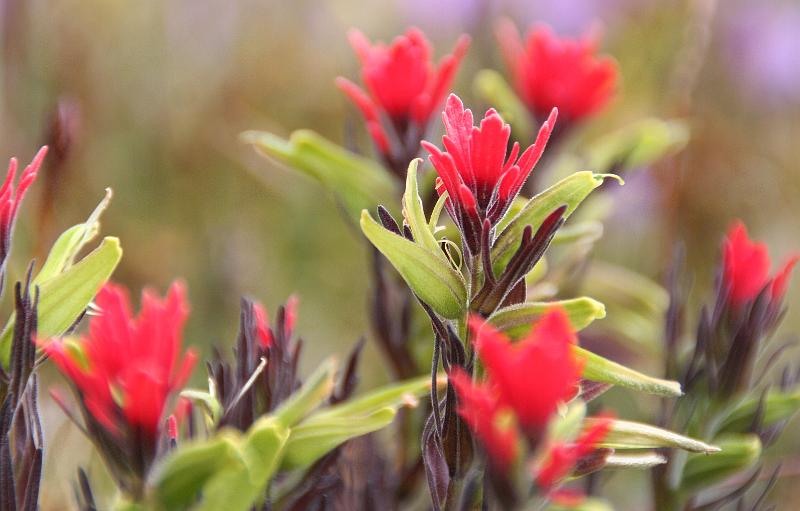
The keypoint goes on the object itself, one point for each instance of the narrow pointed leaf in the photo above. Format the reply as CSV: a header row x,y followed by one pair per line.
x,y
414,213
586,504
432,278
567,427
328,428
516,320
570,191
358,182
71,242
640,461
638,145
635,435
309,442
582,232
391,396
314,392
778,406
185,472
63,298
240,487
739,452
602,370
210,404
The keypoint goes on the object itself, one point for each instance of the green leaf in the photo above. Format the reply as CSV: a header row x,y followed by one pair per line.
x,y
208,401
493,88
358,182
635,435
391,396
309,442
640,460
71,242
570,191
739,452
587,504
238,487
328,428
427,274
314,392
638,145
777,407
229,471
516,320
625,288
64,297
568,426
636,305
600,369
264,446
184,473
582,232
415,214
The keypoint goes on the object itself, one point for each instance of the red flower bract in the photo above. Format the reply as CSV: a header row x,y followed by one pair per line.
x,y
746,268
11,198
480,178
127,368
561,457
549,71
525,381
263,330
402,82
491,423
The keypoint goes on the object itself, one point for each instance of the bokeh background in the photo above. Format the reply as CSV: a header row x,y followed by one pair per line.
x,y
150,96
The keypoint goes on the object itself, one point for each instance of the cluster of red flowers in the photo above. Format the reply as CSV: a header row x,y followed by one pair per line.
x,y
127,370
480,178
11,198
552,72
403,87
524,385
746,269
263,330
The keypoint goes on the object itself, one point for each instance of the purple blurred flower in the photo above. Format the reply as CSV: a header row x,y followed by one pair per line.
x,y
762,47
569,17
444,15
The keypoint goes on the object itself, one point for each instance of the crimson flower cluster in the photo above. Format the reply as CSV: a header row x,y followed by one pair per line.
x,y
479,175
524,384
732,334
554,72
11,198
746,267
404,88
126,372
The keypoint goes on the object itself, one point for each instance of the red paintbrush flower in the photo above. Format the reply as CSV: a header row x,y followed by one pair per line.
x,y
403,88
549,71
480,178
262,325
561,457
534,374
11,198
746,268
127,369
525,382
492,423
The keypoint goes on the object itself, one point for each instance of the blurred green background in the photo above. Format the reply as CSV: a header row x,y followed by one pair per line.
x,y
156,92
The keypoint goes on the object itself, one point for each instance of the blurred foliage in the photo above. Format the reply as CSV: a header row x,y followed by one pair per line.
x,y
159,92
